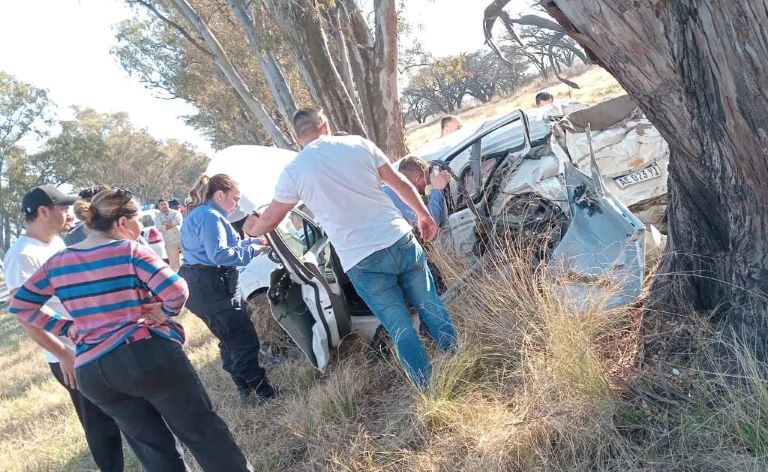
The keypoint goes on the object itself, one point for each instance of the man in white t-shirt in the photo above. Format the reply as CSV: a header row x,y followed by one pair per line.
x,y
168,221
340,178
46,212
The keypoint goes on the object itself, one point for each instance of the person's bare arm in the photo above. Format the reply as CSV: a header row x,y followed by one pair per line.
x,y
258,225
406,191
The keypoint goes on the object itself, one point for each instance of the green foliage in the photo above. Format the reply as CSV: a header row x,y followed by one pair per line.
x,y
106,148
174,68
24,115
24,111
91,149
442,85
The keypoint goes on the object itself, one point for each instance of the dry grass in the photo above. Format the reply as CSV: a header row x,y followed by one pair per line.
x,y
596,85
535,385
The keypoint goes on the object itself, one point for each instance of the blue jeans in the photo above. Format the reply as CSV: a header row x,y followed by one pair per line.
x,y
384,280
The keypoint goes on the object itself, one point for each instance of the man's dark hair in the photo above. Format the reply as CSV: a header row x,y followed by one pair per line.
x,y
307,119
413,164
160,200
543,97
31,217
447,119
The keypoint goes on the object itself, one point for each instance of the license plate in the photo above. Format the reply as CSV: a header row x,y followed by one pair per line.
x,y
651,171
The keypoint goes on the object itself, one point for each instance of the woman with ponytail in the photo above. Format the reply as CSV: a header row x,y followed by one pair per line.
x,y
212,251
129,359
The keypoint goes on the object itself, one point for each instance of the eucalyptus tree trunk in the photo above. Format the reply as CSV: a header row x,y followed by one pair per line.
x,y
343,63
229,71
699,69
301,23
281,92
374,66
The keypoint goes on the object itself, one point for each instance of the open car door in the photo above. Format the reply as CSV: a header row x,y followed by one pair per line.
x,y
304,296
472,163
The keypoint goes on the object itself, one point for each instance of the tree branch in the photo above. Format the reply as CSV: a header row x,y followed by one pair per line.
x,y
495,11
173,25
411,66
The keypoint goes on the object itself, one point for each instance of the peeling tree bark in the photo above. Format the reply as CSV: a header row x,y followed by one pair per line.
x,y
344,65
699,69
391,136
234,79
375,69
359,44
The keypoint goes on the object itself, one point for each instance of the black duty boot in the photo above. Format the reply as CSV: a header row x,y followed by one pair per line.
x,y
260,391
243,390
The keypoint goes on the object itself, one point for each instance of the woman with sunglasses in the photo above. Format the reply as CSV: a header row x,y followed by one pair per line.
x,y
212,251
129,359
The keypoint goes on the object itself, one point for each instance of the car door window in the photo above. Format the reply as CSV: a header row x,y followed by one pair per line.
x,y
298,233
493,148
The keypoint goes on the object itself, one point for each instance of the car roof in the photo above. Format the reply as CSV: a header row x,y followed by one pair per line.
x,y
443,148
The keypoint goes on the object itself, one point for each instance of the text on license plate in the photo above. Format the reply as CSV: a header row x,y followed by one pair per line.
x,y
651,171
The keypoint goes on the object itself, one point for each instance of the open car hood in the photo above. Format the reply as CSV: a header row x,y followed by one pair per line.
x,y
261,164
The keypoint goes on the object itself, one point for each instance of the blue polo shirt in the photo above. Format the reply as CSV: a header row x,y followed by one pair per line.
x,y
436,206
207,238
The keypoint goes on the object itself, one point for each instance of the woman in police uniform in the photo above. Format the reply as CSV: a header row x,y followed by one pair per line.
x,y
212,251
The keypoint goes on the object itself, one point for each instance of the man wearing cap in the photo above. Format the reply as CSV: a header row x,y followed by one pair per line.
x,y
46,212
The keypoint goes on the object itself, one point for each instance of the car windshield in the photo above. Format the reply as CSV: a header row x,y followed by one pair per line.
x,y
493,147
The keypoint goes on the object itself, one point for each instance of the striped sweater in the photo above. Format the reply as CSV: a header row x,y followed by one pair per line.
x,y
103,289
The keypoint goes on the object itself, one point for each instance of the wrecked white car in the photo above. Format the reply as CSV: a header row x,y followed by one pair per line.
x,y
507,183
631,154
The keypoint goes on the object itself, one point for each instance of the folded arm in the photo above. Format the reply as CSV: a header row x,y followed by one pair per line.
x,y
160,279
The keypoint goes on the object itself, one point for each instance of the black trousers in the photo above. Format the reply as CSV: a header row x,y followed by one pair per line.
x,y
101,431
150,388
220,307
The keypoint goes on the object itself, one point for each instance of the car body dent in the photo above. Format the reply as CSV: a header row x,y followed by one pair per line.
x,y
602,252
622,142
601,257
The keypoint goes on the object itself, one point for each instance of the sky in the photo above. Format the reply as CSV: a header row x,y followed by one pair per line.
x,y
63,46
